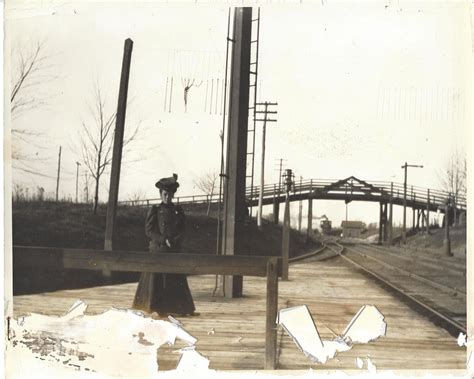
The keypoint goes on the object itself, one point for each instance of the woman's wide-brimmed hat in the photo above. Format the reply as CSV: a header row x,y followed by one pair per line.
x,y
169,184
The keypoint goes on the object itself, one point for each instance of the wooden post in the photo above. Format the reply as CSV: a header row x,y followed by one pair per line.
x,y
390,219
380,223
118,144
428,212
309,230
285,249
237,133
404,228
385,222
271,315
276,205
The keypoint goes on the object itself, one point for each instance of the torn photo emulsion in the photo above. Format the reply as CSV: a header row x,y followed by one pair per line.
x,y
90,342
367,325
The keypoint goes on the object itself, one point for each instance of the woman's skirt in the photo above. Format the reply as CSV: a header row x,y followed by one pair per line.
x,y
164,293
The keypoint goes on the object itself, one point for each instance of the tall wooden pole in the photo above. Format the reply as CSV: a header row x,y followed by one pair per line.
x,y
59,172
236,163
262,171
118,144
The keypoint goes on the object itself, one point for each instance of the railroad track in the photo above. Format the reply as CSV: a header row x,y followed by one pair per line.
x,y
323,253
427,296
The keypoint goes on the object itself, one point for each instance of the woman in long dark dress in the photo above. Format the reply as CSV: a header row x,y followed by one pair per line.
x,y
165,223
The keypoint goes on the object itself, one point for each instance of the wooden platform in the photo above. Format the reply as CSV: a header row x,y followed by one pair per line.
x,y
231,332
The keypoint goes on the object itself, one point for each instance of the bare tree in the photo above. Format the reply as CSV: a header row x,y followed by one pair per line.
x,y
453,177
29,66
207,184
96,140
31,71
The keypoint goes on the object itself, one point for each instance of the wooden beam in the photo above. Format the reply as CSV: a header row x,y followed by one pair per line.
x,y
133,261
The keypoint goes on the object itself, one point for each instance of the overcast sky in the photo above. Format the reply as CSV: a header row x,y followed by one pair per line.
x,y
361,88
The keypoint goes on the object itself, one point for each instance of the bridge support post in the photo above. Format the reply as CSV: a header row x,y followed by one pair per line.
x,y
309,229
385,222
390,220
276,210
413,224
428,212
300,210
422,219
380,223
276,206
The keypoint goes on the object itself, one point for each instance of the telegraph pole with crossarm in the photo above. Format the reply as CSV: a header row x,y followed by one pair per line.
x,y
265,112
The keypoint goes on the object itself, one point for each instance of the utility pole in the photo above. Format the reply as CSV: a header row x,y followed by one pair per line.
x,y
59,171
265,119
233,232
276,199
289,186
404,229
118,144
279,176
77,177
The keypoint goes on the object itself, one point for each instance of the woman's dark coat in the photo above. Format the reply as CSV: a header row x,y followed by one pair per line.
x,y
164,293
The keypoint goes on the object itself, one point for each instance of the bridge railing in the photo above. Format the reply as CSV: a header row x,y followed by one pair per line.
x,y
414,193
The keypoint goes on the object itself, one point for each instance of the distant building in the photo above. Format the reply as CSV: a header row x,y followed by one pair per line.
x,y
352,228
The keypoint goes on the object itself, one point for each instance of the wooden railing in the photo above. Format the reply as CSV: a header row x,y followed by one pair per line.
x,y
199,264
417,194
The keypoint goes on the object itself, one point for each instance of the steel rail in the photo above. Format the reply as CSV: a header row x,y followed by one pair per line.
x,y
420,278
453,326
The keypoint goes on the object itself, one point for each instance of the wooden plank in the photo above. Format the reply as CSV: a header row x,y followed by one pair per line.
x,y
131,261
271,314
